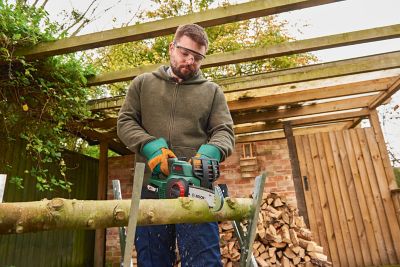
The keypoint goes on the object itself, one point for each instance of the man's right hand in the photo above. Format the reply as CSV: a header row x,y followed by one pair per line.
x,y
157,154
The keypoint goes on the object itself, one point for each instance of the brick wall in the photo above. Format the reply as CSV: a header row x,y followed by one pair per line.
x,y
272,157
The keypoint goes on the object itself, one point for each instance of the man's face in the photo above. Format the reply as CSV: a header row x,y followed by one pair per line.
x,y
186,57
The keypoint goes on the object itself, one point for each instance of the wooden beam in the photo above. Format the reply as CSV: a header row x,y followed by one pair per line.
x,y
302,46
293,75
276,50
382,97
296,131
269,100
115,146
304,122
354,123
153,29
102,124
338,105
345,104
313,72
317,120
296,174
310,94
106,103
122,75
100,236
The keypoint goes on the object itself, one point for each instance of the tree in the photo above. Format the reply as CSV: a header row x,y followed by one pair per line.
x,y
390,121
259,32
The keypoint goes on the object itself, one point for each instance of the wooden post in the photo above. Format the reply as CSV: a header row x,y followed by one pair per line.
x,y
294,162
100,239
376,126
133,212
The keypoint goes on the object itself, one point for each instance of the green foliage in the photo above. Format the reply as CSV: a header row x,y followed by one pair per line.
x,y
260,32
92,151
397,175
39,99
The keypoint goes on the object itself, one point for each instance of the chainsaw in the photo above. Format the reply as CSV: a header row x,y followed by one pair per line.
x,y
190,179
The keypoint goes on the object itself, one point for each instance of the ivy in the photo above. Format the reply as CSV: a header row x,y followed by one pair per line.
x,y
39,99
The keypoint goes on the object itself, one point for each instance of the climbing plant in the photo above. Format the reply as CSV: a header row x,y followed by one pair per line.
x,y
39,99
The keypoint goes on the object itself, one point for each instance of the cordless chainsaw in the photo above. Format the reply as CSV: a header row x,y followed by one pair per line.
x,y
190,179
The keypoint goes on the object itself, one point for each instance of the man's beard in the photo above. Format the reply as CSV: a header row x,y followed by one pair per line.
x,y
184,76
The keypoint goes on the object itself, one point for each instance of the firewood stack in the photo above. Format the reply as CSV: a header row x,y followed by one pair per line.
x,y
282,238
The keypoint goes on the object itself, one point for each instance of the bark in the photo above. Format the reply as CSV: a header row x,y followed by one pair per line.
x,y
58,213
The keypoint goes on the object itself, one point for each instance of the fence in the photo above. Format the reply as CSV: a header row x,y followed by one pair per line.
x,y
352,211
51,248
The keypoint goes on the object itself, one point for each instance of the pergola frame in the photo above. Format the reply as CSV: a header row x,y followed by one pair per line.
x,y
302,108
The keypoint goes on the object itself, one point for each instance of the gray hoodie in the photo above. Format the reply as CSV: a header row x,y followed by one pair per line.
x,y
186,114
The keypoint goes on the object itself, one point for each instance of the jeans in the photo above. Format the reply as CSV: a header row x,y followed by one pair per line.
x,y
198,245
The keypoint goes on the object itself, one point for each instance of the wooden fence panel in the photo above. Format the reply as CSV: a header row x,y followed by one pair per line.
x,y
307,192
354,203
384,189
321,229
346,201
349,201
338,238
365,160
325,207
361,196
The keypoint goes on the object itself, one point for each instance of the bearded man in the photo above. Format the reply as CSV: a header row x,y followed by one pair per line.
x,y
176,112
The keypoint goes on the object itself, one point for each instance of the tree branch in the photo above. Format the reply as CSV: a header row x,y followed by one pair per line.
x,y
58,213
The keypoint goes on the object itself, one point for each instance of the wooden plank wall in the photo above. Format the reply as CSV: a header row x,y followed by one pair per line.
x,y
351,210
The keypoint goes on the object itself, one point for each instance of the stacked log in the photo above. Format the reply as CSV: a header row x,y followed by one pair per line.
x,y
282,238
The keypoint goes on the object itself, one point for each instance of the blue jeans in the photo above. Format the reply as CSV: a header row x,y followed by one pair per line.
x,y
198,245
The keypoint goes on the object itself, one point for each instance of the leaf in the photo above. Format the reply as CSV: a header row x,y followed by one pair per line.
x,y
16,36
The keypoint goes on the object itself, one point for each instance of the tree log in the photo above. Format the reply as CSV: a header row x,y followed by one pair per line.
x,y
58,213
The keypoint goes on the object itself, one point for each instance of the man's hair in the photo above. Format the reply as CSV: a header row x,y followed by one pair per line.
x,y
194,32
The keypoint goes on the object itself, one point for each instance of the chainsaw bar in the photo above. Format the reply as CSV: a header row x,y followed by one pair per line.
x,y
214,199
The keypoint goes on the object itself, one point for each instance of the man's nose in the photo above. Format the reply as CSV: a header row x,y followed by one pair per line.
x,y
190,59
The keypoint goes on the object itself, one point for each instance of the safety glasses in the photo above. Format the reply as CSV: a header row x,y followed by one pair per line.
x,y
186,52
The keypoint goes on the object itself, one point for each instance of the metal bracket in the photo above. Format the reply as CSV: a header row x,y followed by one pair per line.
x,y
133,212
3,178
122,230
246,239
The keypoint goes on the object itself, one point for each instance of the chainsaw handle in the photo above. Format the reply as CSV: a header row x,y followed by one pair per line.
x,y
207,171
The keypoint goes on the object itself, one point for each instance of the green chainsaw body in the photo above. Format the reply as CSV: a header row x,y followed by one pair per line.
x,y
197,173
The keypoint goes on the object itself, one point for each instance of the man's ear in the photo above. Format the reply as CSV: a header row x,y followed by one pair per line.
x,y
171,46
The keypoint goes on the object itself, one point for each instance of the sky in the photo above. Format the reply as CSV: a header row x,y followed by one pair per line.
x,y
343,16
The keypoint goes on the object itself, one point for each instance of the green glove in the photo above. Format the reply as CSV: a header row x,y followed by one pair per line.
x,y
209,151
157,155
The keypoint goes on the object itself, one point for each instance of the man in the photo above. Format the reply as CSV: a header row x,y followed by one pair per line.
x,y
176,112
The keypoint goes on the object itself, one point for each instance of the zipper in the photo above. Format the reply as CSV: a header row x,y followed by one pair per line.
x,y
172,114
